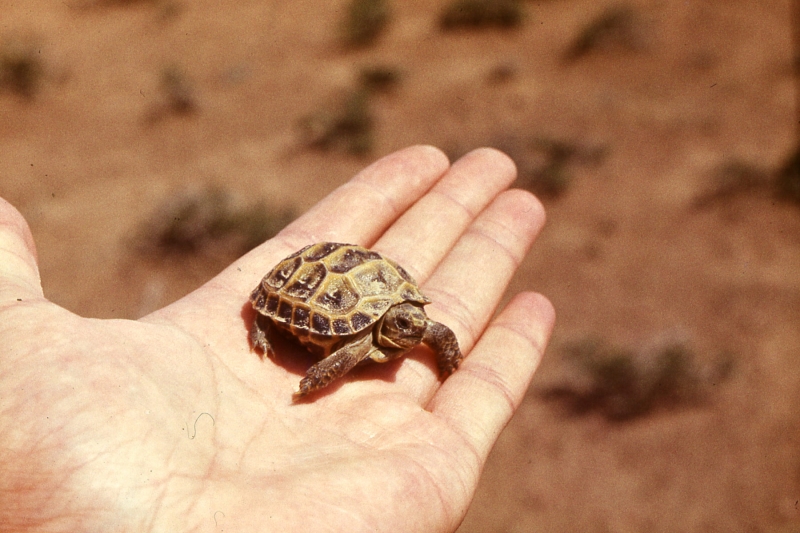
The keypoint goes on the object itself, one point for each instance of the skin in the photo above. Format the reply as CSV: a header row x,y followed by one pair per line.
x,y
172,423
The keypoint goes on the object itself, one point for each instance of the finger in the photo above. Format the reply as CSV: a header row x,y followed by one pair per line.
x,y
469,283
478,400
362,209
357,212
19,273
422,236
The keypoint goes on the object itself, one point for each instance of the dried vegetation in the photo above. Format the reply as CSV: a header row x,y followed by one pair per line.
x,y
622,383
209,219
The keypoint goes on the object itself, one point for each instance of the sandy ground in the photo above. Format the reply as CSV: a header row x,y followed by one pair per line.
x,y
138,102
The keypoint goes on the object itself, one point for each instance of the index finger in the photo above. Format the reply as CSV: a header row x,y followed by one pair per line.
x,y
357,212
478,400
360,210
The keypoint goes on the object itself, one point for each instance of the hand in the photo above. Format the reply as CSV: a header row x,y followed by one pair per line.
x,y
172,423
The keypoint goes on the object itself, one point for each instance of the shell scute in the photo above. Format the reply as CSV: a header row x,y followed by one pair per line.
x,y
258,298
375,308
281,273
271,306
402,271
377,279
320,324
351,258
340,326
360,321
301,317
338,297
284,313
315,252
306,282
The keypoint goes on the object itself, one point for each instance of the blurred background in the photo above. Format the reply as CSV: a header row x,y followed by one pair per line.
x,y
151,142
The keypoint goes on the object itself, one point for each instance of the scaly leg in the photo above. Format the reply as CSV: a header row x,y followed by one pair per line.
x,y
335,365
259,335
443,341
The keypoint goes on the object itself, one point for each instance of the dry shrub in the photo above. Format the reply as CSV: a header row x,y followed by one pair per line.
x,y
621,383
176,95
544,164
379,78
788,178
344,124
481,14
732,178
21,66
365,21
209,220
617,27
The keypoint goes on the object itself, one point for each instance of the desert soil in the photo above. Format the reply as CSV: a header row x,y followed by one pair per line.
x,y
657,108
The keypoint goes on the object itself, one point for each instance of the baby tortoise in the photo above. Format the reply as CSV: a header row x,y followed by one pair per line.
x,y
346,304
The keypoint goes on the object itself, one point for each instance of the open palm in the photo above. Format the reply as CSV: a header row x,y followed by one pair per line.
x,y
172,423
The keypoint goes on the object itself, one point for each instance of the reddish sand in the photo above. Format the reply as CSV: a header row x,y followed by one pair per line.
x,y
625,255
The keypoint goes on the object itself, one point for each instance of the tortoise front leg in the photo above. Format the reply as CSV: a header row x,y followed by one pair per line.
x,y
335,366
442,340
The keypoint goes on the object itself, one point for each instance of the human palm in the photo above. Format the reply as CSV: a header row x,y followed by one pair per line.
x,y
172,423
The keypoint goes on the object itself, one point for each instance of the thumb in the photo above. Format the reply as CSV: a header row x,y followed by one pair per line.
x,y
19,272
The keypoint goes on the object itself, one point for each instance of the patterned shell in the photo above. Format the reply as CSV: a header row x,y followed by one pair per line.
x,y
330,290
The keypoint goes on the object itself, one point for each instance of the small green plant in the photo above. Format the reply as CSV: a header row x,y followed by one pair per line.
x,y
21,67
344,125
365,21
621,383
481,14
617,27
209,218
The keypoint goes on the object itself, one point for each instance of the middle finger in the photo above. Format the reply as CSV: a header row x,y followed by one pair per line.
x,y
468,284
424,234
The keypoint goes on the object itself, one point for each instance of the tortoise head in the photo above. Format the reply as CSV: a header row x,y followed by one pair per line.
x,y
403,326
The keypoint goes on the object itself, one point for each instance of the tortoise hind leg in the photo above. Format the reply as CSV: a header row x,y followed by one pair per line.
x,y
259,335
442,340
335,366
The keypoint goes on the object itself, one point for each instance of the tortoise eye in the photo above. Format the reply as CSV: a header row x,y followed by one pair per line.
x,y
403,323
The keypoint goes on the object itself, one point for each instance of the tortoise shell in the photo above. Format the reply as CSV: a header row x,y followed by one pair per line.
x,y
328,292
